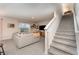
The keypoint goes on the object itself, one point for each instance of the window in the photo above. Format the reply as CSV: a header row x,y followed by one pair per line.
x,y
24,27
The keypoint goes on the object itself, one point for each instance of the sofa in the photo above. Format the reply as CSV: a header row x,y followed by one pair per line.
x,y
24,39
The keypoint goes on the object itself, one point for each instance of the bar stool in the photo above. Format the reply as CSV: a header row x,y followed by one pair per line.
x,y
2,49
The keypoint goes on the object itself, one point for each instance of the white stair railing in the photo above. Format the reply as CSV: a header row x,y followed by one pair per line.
x,y
47,34
50,31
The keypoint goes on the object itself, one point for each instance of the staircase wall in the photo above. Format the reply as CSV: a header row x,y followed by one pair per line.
x,y
76,24
77,13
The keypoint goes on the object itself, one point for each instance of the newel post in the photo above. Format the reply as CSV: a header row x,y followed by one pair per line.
x,y
46,42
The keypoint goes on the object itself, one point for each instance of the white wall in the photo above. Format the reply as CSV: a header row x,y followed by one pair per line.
x,y
6,31
77,12
76,24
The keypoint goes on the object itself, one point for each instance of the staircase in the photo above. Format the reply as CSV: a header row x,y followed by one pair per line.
x,y
64,42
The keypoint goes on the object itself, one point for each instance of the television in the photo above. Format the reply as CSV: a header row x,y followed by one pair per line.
x,y
42,27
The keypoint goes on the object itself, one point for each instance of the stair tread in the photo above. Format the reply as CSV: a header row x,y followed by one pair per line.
x,y
55,51
64,37
67,42
63,47
60,33
66,27
65,32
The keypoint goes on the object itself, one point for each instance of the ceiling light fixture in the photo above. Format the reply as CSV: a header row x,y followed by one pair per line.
x,y
33,17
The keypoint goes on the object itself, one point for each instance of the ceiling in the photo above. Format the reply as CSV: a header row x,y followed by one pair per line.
x,y
29,12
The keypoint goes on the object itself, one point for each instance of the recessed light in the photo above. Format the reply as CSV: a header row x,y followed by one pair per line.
x,y
33,17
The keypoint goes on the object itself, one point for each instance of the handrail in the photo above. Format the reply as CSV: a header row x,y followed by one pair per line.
x,y
47,26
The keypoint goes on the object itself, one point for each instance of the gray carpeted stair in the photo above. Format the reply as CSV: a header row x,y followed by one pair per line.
x,y
64,42
55,51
